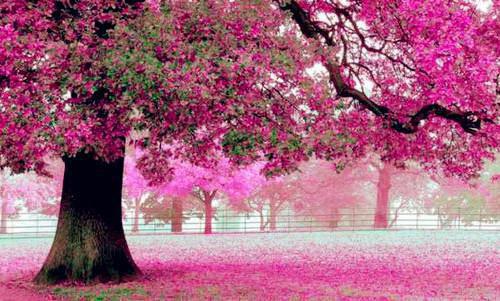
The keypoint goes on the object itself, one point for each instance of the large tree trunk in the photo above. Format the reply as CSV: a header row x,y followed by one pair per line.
x,y
383,189
89,244
177,215
137,203
3,218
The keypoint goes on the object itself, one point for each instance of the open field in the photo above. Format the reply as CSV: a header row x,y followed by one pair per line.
x,y
371,265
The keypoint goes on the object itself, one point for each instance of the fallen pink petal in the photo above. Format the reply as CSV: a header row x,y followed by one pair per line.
x,y
367,265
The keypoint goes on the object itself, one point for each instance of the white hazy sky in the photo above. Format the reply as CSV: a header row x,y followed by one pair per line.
x,y
484,5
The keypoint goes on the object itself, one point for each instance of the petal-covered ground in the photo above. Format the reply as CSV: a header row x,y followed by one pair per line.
x,y
371,265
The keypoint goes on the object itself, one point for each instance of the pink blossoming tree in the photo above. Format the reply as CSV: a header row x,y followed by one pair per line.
x,y
409,185
170,209
271,196
135,186
32,190
322,191
205,183
456,201
78,77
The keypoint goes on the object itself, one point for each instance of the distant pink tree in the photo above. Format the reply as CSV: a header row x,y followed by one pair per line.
x,y
8,194
170,209
323,191
135,186
413,185
33,190
464,202
254,203
55,175
205,183
270,195
407,183
320,190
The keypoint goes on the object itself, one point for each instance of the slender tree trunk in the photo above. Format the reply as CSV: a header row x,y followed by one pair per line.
x,y
441,223
262,225
334,223
272,218
177,215
383,189
89,244
137,203
3,218
208,215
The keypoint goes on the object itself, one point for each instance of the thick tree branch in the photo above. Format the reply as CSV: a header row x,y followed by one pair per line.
x,y
469,121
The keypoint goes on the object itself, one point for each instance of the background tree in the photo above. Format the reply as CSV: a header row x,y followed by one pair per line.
x,y
409,185
325,192
9,192
254,203
458,202
268,199
26,190
135,186
205,183
167,209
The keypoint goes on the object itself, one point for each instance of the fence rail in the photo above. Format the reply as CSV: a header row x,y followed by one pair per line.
x,y
226,221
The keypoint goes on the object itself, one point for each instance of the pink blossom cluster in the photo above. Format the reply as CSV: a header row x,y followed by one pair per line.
x,y
234,76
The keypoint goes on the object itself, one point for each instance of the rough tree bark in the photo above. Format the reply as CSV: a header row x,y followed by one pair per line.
x,y
383,189
177,215
89,244
3,218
